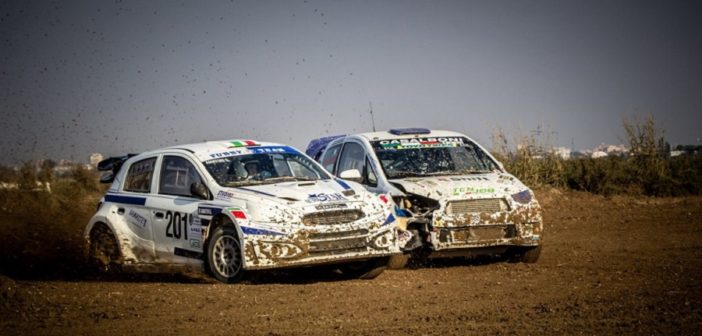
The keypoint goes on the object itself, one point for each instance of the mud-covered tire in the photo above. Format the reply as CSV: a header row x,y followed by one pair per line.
x,y
398,261
224,259
369,269
104,254
527,255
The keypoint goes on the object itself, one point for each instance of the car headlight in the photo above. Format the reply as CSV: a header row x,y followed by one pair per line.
x,y
523,197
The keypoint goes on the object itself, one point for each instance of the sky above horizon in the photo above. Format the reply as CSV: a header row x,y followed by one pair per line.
x,y
113,77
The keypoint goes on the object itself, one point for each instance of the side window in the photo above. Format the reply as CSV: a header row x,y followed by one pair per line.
x,y
369,177
177,174
329,159
139,176
352,157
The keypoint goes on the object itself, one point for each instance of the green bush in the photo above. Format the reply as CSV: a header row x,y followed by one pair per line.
x,y
647,170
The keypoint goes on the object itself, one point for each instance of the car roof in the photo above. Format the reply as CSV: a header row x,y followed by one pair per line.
x,y
386,135
203,149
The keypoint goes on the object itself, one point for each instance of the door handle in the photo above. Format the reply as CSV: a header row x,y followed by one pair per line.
x,y
159,215
120,211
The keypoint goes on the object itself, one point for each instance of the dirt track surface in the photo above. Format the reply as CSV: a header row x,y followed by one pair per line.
x,y
609,265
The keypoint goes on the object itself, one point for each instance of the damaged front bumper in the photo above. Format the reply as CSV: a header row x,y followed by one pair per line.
x,y
521,226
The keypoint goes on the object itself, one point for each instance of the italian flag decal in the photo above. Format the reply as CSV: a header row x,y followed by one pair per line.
x,y
243,143
237,213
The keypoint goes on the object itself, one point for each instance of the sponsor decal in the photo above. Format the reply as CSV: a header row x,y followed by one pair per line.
x,y
194,243
253,150
137,219
322,197
237,213
273,150
195,230
233,152
421,143
224,195
472,190
331,206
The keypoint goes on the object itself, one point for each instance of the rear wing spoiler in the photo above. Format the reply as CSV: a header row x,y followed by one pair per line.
x,y
110,167
317,146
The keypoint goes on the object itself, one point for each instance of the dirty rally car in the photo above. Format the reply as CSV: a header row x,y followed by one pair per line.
x,y
228,207
453,197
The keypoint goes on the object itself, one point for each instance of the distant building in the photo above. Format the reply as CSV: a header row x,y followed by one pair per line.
x,y
598,154
95,158
562,152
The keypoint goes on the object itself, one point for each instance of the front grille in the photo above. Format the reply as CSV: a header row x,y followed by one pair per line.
x,y
479,233
476,205
332,217
338,242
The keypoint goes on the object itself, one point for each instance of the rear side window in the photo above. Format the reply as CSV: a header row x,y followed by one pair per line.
x,y
177,174
139,176
329,159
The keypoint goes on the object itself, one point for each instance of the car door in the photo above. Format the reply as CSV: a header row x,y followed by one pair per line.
x,y
354,156
134,206
178,238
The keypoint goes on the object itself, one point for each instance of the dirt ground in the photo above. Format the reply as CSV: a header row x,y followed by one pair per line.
x,y
619,265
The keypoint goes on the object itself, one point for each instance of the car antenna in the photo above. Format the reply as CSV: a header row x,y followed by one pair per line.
x,y
370,104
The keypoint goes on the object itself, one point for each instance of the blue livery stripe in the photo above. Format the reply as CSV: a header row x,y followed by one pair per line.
x,y
389,220
399,212
254,231
125,199
343,184
187,253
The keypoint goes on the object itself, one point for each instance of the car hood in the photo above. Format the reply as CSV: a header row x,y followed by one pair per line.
x,y
297,194
488,185
287,202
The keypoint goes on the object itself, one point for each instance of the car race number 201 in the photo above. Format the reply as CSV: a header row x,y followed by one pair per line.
x,y
177,227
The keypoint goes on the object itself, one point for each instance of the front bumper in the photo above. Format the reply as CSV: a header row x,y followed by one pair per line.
x,y
520,227
310,247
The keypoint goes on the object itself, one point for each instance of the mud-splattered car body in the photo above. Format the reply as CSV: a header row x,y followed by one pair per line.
x,y
451,193
163,206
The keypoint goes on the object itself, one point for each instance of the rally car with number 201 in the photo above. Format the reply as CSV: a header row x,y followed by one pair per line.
x,y
228,207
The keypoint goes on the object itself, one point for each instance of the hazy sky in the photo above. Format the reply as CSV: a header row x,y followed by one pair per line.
x,y
79,77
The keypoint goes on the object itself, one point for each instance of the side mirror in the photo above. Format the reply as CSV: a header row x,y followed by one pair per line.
x,y
351,175
199,190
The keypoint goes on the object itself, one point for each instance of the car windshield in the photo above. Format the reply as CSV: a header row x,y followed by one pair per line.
x,y
418,157
263,168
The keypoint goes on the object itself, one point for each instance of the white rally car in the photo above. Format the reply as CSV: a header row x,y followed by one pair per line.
x,y
231,206
452,195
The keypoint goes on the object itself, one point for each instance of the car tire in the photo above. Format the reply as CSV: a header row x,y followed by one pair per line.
x,y
398,261
225,261
527,255
369,269
104,253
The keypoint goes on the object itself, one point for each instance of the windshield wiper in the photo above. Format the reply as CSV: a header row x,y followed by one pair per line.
x,y
400,174
286,178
